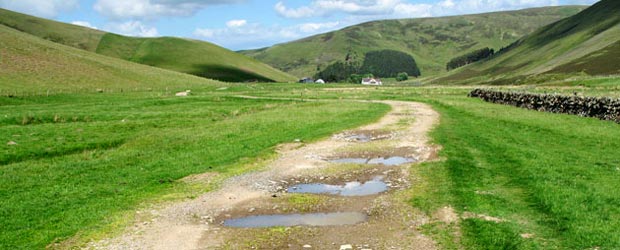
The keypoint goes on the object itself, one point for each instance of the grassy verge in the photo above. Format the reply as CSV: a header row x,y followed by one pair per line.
x,y
81,160
551,177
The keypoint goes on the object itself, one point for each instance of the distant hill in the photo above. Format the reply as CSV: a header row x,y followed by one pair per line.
x,y
187,56
431,41
586,43
31,64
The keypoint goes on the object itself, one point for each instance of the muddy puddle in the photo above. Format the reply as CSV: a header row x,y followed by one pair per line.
x,y
289,220
372,187
389,161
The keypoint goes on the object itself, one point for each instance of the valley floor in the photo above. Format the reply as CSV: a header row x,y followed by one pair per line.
x,y
145,170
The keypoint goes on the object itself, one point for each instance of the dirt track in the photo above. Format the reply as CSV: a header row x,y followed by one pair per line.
x,y
392,223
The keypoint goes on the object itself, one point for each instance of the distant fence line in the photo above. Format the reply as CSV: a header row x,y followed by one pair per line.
x,y
604,108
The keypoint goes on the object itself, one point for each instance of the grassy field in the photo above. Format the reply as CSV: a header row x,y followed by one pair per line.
x,y
431,41
81,161
550,177
84,161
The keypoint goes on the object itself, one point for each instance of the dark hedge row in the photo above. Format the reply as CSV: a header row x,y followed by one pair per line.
x,y
603,108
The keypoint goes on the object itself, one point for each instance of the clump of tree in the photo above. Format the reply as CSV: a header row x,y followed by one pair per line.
x,y
388,63
385,63
403,76
337,72
468,58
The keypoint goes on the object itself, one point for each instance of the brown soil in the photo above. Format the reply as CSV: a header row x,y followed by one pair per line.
x,y
392,222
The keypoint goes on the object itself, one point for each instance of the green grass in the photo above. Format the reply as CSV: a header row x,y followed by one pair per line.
x,y
69,176
182,55
190,56
550,175
71,35
84,160
586,42
431,41
31,65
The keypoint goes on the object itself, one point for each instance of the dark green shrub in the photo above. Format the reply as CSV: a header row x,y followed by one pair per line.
x,y
388,63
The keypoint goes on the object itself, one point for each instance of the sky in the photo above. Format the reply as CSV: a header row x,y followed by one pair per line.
x,y
249,24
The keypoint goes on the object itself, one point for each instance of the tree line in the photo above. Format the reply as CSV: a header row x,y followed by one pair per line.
x,y
470,57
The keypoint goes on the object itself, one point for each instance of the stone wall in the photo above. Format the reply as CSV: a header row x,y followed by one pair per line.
x,y
603,108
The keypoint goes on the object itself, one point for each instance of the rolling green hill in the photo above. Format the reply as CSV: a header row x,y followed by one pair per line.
x,y
187,56
586,43
431,41
29,63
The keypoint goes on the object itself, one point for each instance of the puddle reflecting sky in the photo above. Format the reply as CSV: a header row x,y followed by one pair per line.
x,y
374,186
289,220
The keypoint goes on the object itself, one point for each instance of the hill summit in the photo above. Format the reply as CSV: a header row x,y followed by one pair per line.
x,y
586,43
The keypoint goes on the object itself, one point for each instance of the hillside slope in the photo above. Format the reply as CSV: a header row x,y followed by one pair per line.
x,y
29,63
187,56
586,43
431,41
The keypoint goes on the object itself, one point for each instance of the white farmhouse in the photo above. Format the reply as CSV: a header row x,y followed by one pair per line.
x,y
371,81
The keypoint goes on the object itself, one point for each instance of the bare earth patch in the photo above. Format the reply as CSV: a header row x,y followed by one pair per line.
x,y
392,222
446,215
470,215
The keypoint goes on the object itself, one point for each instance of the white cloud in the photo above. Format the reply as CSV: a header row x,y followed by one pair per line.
x,y
377,9
314,27
413,10
327,7
294,13
84,24
446,4
236,23
153,9
41,8
253,35
133,28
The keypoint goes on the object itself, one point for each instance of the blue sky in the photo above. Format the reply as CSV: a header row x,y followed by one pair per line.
x,y
246,24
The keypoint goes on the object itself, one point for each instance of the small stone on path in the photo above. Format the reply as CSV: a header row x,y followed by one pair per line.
x,y
346,247
307,246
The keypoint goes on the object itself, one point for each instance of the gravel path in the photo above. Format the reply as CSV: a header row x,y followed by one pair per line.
x,y
196,224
